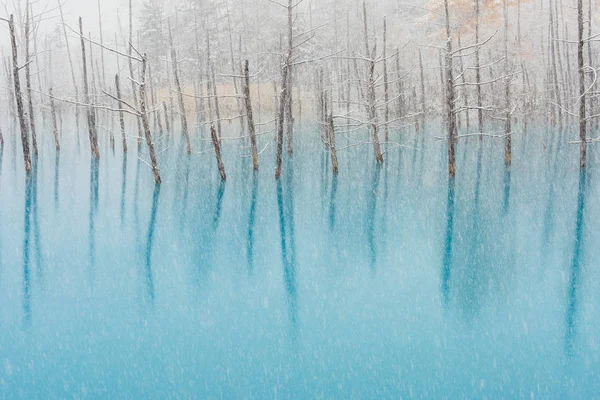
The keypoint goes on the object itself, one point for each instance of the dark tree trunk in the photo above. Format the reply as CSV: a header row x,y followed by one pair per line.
x,y
249,115
121,118
19,97
582,118
217,147
146,124
54,123
91,115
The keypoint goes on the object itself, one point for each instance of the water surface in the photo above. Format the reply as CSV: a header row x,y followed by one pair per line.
x,y
387,281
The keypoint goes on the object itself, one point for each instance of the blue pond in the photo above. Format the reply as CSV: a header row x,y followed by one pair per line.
x,y
385,282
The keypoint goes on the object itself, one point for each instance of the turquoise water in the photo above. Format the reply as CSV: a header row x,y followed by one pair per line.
x,y
386,282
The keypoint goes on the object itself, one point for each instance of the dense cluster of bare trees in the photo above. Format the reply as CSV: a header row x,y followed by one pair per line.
x,y
212,72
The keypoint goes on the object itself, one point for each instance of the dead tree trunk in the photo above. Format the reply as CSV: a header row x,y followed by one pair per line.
x,y
553,56
249,115
334,160
463,80
450,98
216,99
401,96
386,94
288,82
582,118
184,126
422,108
91,115
54,123
132,75
371,107
507,105
121,118
217,147
19,97
102,52
146,124
478,73
592,101
28,82
167,123
233,73
280,120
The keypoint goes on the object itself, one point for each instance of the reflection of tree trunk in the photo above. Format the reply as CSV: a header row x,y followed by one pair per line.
x,y
218,207
447,262
506,202
123,185
551,180
332,202
371,211
251,218
26,269
94,171
149,242
286,229
36,222
575,267
56,175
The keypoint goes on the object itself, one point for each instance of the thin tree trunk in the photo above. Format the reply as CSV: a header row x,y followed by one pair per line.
x,y
334,160
554,56
146,124
167,121
371,107
280,119
216,99
64,29
19,97
102,50
463,80
507,105
582,118
386,94
249,115
289,80
121,118
132,75
422,107
592,100
91,115
451,122
28,82
184,126
233,73
217,147
54,123
478,73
